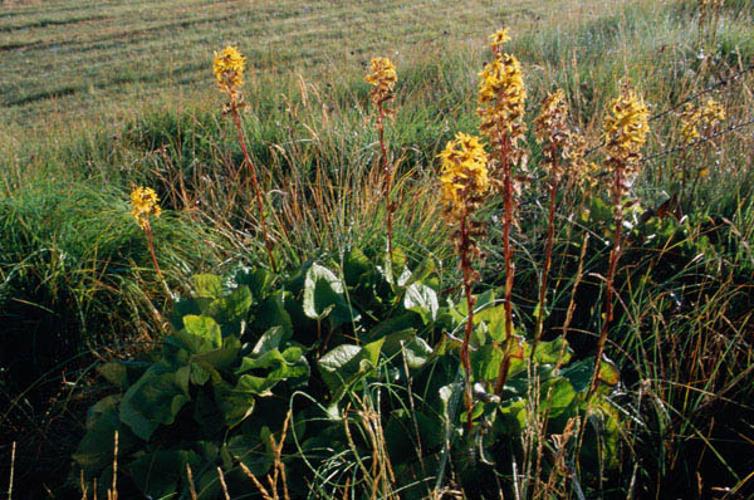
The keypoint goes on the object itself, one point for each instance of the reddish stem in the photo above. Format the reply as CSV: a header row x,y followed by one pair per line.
x,y
548,259
615,252
254,182
387,169
150,245
508,257
467,281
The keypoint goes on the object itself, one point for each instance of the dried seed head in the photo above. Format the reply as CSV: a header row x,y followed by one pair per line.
x,y
551,125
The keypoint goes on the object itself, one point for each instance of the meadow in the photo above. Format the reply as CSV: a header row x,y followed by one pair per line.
x,y
276,278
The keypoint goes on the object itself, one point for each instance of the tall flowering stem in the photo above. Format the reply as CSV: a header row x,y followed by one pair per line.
x,y
228,67
383,77
560,149
502,99
144,205
626,129
464,184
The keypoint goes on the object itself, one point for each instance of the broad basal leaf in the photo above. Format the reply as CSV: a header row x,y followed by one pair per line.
x,y
323,297
347,362
154,400
422,300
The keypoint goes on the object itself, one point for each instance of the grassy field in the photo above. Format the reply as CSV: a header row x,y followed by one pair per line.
x,y
77,58
100,97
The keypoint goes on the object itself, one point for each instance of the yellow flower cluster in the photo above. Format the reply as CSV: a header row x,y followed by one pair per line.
x,y
383,77
144,204
707,117
228,67
499,38
464,181
626,126
502,99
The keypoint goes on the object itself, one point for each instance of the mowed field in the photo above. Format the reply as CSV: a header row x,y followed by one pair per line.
x,y
78,58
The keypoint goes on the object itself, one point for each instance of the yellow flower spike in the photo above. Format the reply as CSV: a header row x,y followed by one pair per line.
x,y
383,77
463,185
144,204
228,67
626,126
463,178
502,99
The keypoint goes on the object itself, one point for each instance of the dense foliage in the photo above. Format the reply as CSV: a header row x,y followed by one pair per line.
x,y
239,358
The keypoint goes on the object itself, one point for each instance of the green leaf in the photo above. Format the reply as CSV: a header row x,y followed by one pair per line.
x,y
290,364
579,374
323,297
258,280
450,396
95,451
205,329
249,449
199,375
155,399
235,403
272,339
423,271
207,286
230,311
407,343
334,366
271,313
609,373
549,352
158,474
422,300
494,318
355,265
400,323
183,307
512,418
485,362
561,394
347,362
114,372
